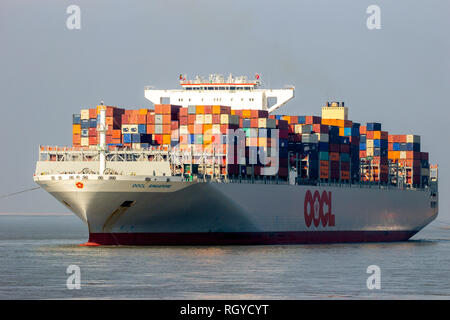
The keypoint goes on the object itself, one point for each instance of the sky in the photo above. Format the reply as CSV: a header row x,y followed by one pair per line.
x,y
398,75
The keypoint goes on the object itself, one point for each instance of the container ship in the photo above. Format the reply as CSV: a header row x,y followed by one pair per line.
x,y
215,163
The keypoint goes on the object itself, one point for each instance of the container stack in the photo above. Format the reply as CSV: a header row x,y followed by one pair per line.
x,y
134,129
85,123
344,149
414,166
319,149
374,153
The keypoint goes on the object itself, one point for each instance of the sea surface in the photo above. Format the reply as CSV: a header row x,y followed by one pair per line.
x,y
36,250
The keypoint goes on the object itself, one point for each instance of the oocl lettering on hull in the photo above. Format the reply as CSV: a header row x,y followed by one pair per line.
x,y
317,209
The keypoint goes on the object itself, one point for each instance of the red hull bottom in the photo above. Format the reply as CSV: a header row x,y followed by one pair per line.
x,y
248,238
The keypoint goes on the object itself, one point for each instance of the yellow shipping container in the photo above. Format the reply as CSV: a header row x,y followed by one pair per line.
x,y
207,128
166,138
207,139
341,131
216,109
143,111
76,129
377,135
246,113
225,118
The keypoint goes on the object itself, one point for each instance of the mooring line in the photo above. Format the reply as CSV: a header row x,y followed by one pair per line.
x,y
14,193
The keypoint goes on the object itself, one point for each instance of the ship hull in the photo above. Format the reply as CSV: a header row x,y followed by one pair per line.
x,y
132,212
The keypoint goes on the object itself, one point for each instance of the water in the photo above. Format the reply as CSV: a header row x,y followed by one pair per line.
x,y
36,250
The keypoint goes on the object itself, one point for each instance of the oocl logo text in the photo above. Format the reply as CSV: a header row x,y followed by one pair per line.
x,y
317,209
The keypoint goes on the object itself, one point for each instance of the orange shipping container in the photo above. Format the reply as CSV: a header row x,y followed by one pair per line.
x,y
142,119
200,109
92,113
116,134
76,129
76,139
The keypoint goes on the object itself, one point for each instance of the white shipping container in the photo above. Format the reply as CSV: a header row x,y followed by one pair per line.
x,y
208,118
158,128
133,128
184,130
305,128
216,129
323,137
410,138
369,143
125,128
84,142
84,114
402,154
200,119
158,119
267,123
310,138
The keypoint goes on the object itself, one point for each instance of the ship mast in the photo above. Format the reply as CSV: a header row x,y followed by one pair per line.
x,y
101,128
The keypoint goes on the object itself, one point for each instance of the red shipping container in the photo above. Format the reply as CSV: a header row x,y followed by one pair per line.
x,y
313,120
174,125
184,121
92,141
150,128
320,128
344,148
216,118
332,147
362,129
362,153
254,122
92,132
158,138
369,134
207,109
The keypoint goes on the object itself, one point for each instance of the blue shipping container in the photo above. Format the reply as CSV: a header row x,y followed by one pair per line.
x,y
76,119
